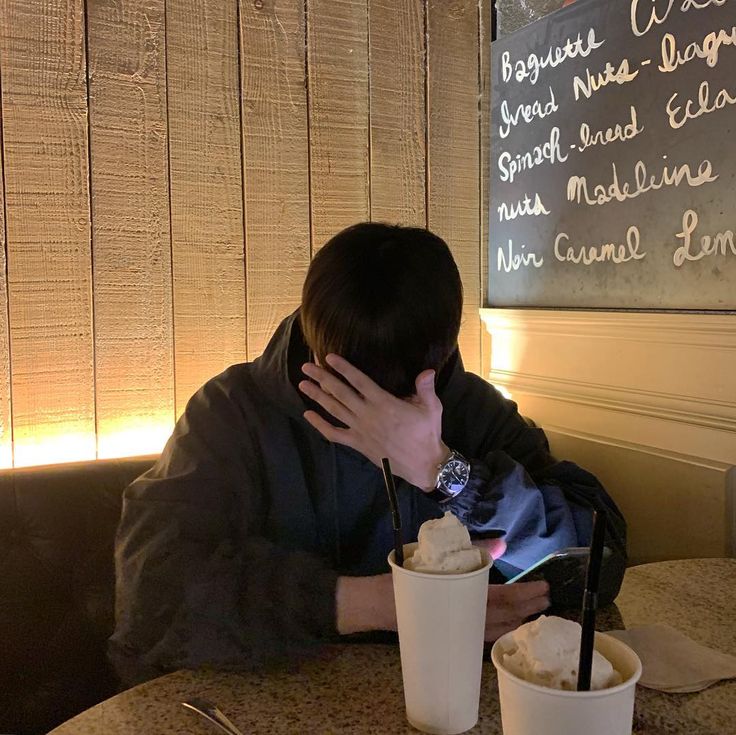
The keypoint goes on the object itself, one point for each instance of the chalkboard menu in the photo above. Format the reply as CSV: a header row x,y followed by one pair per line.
x,y
613,158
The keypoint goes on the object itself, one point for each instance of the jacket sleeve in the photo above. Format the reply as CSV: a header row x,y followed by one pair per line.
x,y
541,504
196,582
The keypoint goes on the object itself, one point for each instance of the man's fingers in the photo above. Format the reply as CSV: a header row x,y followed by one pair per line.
x,y
512,601
496,547
509,594
523,610
360,381
329,403
328,431
332,385
511,604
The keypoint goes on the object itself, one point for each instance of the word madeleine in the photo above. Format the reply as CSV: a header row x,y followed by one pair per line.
x,y
578,191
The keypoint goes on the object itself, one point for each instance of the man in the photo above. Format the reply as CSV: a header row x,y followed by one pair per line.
x,y
265,525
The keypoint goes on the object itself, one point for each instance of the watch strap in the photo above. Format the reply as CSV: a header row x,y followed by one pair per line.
x,y
439,493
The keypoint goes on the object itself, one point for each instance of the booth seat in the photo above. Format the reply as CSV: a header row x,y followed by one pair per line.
x,y
57,528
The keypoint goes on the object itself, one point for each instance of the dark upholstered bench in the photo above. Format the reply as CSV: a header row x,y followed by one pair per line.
x,y
57,527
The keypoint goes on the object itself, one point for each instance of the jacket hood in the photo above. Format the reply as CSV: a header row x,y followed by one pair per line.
x,y
278,370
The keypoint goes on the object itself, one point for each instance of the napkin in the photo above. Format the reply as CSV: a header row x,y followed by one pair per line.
x,y
672,662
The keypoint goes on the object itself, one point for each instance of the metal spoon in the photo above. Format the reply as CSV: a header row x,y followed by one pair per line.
x,y
213,714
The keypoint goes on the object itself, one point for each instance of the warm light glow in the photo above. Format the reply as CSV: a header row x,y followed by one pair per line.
x,y
507,351
6,455
505,392
128,437
131,437
43,446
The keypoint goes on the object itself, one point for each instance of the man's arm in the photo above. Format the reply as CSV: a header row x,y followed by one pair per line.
x,y
542,504
196,582
517,486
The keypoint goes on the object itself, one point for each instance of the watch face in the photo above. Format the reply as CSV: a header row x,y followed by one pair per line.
x,y
454,475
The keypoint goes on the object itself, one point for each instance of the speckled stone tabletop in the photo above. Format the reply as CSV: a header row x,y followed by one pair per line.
x,y
356,689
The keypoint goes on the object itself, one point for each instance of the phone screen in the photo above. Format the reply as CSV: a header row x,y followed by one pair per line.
x,y
564,571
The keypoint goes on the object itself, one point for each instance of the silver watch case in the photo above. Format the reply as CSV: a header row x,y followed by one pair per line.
x,y
453,475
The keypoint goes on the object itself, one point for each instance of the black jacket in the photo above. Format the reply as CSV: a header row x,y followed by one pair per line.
x,y
229,548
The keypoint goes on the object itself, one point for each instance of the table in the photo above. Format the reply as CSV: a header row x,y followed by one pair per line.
x,y
356,689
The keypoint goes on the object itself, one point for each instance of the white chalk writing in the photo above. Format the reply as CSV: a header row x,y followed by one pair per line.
x,y
530,67
526,112
514,261
722,243
679,115
616,132
613,252
511,166
709,49
659,12
577,186
507,212
609,75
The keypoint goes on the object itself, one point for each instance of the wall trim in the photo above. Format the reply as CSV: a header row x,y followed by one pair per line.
x,y
646,401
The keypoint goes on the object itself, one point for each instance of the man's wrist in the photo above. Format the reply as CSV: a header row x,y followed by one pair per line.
x,y
440,457
363,604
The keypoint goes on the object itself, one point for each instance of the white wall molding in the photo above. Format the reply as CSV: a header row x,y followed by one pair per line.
x,y
647,400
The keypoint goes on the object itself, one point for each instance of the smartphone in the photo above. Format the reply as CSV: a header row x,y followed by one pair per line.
x,y
564,571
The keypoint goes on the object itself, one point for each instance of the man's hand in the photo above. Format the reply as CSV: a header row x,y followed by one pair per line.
x,y
408,432
510,604
367,603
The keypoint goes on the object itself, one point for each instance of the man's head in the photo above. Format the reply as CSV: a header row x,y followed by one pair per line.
x,y
386,298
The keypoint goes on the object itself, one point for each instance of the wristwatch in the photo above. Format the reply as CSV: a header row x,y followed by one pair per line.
x,y
452,477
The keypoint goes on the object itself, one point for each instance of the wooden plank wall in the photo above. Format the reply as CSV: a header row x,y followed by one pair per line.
x,y
131,234
47,212
206,190
169,167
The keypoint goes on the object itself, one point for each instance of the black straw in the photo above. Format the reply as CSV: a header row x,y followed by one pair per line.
x,y
590,600
388,478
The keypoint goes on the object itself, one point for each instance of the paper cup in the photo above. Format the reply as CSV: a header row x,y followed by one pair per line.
x,y
528,709
441,620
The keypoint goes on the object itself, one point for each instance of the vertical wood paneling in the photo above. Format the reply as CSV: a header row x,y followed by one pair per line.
x,y
222,156
206,191
131,229
453,150
337,50
42,56
397,112
276,163
484,145
6,425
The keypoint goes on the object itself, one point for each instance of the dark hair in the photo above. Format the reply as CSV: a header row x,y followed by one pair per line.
x,y
386,298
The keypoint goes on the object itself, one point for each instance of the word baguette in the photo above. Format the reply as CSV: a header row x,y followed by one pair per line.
x,y
530,67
